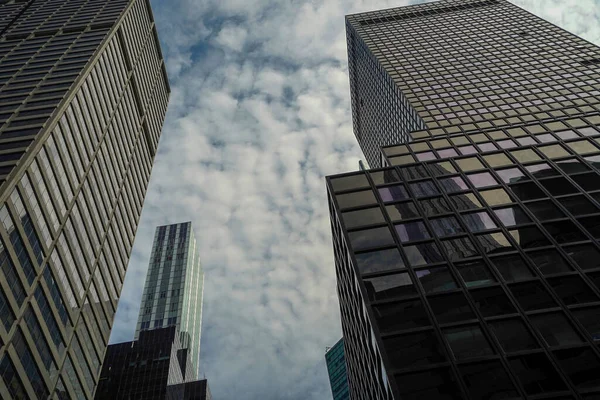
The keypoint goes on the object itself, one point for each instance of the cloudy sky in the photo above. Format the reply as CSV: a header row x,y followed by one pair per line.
x,y
259,114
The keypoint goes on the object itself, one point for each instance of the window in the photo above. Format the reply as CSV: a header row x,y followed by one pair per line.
x,y
492,302
378,261
532,296
588,317
556,329
549,262
400,316
458,249
536,374
368,216
581,365
475,273
513,335
446,226
512,268
467,341
370,238
411,231
488,381
356,199
436,279
349,182
414,349
451,308
422,254
434,384
393,193
389,286
573,290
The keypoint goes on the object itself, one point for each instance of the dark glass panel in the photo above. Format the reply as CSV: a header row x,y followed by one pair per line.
x,y
349,182
457,249
536,374
572,290
378,261
467,341
592,225
437,384
411,231
586,256
544,210
556,329
512,267
451,308
494,243
400,316
453,184
368,216
527,191
511,216
356,199
446,226
488,381
400,211
581,365
532,296
513,335
478,222
385,176
558,186
465,202
370,238
492,302
424,189
578,205
529,237
414,349
549,262
590,319
434,206
389,286
588,182
436,279
393,193
475,273
422,254
564,231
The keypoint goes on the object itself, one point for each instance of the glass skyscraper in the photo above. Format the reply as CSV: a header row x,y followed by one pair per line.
x,y
468,260
173,292
83,93
336,369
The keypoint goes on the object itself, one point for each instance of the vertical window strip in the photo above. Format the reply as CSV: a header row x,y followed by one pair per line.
x,y
18,245
51,323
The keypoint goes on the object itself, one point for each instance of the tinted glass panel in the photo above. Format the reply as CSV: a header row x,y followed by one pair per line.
x,y
532,296
368,216
475,273
389,286
488,381
400,316
393,193
513,335
402,211
589,318
512,268
492,302
424,189
451,308
467,342
381,260
544,210
556,329
572,290
581,365
549,262
349,182
436,279
585,255
414,349
458,249
370,238
536,374
422,254
411,231
446,226
438,384
356,199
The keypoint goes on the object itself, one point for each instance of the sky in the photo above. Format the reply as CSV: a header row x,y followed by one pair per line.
x,y
259,114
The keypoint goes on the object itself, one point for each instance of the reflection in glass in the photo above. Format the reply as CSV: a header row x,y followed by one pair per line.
x,y
453,184
356,199
510,175
436,279
433,384
532,296
467,342
494,243
480,221
586,256
511,216
492,302
451,308
555,329
422,254
588,317
536,374
349,182
488,381
581,366
434,206
475,273
411,231
549,262
512,268
573,290
389,286
367,216
482,179
366,238
424,189
393,193
513,335
400,316
378,261
415,349
458,249
446,226
400,211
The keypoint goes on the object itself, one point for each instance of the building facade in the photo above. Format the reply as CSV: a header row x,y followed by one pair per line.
x,y
83,93
173,292
336,369
468,265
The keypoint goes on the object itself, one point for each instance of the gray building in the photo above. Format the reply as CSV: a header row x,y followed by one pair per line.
x,y
467,261
336,369
173,291
83,93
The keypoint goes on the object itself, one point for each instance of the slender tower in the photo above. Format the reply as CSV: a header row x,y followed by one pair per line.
x,y
173,292
468,261
83,93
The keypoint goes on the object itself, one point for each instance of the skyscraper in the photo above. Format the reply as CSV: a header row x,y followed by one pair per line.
x,y
173,291
83,93
468,266
336,369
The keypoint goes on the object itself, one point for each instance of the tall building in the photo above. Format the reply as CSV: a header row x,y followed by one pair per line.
x,y
149,368
83,93
173,291
468,266
336,369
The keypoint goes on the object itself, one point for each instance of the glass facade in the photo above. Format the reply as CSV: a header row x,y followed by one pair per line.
x,y
336,368
467,263
83,93
173,292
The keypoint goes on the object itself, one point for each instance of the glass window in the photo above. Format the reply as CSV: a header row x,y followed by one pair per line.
x,y
510,175
385,176
511,216
393,193
378,261
536,374
414,349
492,302
588,182
495,197
529,237
443,168
512,268
479,221
453,184
451,308
527,191
465,202
389,286
572,289
526,155
588,317
446,226
411,231
422,254
469,164
438,279
349,182
458,249
368,216
532,296
424,189
433,384
400,211
558,186
467,341
482,179
498,160
475,273
494,243
356,199
578,205
555,329
400,316
370,238
581,365
544,210
488,380
434,206
513,335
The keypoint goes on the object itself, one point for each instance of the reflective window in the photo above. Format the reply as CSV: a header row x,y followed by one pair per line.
x,y
549,262
349,182
536,374
434,384
510,175
400,211
378,261
451,308
358,218
480,221
556,329
488,381
467,341
412,314
389,286
422,254
578,205
414,349
512,268
385,176
475,273
492,302
465,202
370,238
356,199
434,206
513,335
411,231
588,317
532,296
393,193
436,279
581,366
572,290
424,189
458,249
482,179
453,184
544,210
511,216
446,226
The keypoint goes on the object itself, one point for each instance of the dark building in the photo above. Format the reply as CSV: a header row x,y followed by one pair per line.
x,y
83,93
336,369
469,265
149,368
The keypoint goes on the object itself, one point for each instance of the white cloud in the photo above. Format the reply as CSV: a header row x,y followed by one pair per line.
x,y
259,114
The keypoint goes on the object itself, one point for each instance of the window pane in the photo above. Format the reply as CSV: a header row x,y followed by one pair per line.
x,y
453,184
585,255
578,205
389,286
458,249
536,374
581,365
393,193
349,182
512,268
378,261
368,216
400,211
492,302
527,191
385,176
451,308
544,210
424,189
435,206
510,175
477,222
513,335
475,273
436,279
511,216
400,316
573,290
422,254
446,226
482,179
436,384
532,296
415,349
488,381
370,238
588,317
467,342
412,231
465,202
549,262
356,199
556,329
